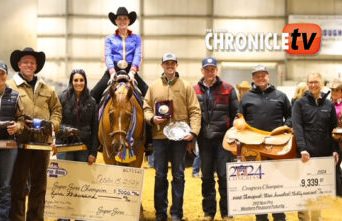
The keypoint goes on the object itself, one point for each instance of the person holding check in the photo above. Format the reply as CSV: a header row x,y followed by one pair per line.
x,y
313,119
265,108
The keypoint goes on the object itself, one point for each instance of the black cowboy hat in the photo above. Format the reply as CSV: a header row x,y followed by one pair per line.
x,y
17,55
122,11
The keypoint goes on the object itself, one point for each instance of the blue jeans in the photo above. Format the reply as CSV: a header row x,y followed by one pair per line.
x,y
150,159
165,151
81,156
7,160
196,165
213,158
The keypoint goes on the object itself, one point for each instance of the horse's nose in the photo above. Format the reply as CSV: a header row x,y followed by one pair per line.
x,y
116,145
119,144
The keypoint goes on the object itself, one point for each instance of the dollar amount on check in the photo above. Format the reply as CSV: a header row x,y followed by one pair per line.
x,y
257,187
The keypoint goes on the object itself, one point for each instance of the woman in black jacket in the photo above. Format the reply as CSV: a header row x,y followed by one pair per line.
x,y
313,119
80,112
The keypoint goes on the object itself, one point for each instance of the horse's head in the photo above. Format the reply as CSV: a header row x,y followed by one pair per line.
x,y
121,124
121,115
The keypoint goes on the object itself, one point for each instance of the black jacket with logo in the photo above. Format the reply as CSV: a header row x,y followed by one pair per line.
x,y
313,123
266,110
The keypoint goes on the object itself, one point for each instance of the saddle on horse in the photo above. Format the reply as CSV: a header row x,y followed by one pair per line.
x,y
250,143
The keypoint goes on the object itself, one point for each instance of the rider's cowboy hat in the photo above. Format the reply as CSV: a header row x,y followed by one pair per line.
x,y
122,11
17,55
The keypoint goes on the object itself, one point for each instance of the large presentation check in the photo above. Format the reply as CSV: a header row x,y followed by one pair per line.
x,y
257,187
76,190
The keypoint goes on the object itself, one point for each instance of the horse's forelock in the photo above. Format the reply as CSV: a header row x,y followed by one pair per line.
x,y
121,92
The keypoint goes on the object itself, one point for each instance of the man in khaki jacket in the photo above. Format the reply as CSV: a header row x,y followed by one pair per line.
x,y
39,101
170,99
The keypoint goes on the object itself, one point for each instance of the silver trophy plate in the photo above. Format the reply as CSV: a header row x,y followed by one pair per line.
x,y
176,130
122,64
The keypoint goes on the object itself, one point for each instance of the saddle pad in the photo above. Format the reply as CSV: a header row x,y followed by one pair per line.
x,y
244,136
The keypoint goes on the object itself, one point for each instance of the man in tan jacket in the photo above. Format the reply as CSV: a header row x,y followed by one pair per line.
x,y
170,99
39,101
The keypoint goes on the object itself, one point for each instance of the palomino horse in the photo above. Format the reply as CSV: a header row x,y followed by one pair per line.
x,y
121,125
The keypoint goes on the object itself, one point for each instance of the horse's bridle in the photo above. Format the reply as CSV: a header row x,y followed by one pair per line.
x,y
118,132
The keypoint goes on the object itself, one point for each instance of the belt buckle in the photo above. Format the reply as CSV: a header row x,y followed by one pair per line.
x,y
122,64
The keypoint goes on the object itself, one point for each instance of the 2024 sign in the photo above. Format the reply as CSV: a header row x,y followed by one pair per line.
x,y
245,172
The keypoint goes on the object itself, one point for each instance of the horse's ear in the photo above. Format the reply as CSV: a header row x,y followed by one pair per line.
x,y
112,91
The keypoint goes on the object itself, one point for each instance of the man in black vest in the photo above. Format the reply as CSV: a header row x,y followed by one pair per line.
x,y
10,110
219,105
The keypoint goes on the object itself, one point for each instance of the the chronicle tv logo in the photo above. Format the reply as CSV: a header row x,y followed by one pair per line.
x,y
296,39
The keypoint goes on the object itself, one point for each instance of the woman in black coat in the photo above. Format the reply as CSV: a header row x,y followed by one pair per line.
x,y
313,119
80,112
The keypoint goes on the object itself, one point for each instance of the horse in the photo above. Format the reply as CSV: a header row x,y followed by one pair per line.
x,y
121,125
